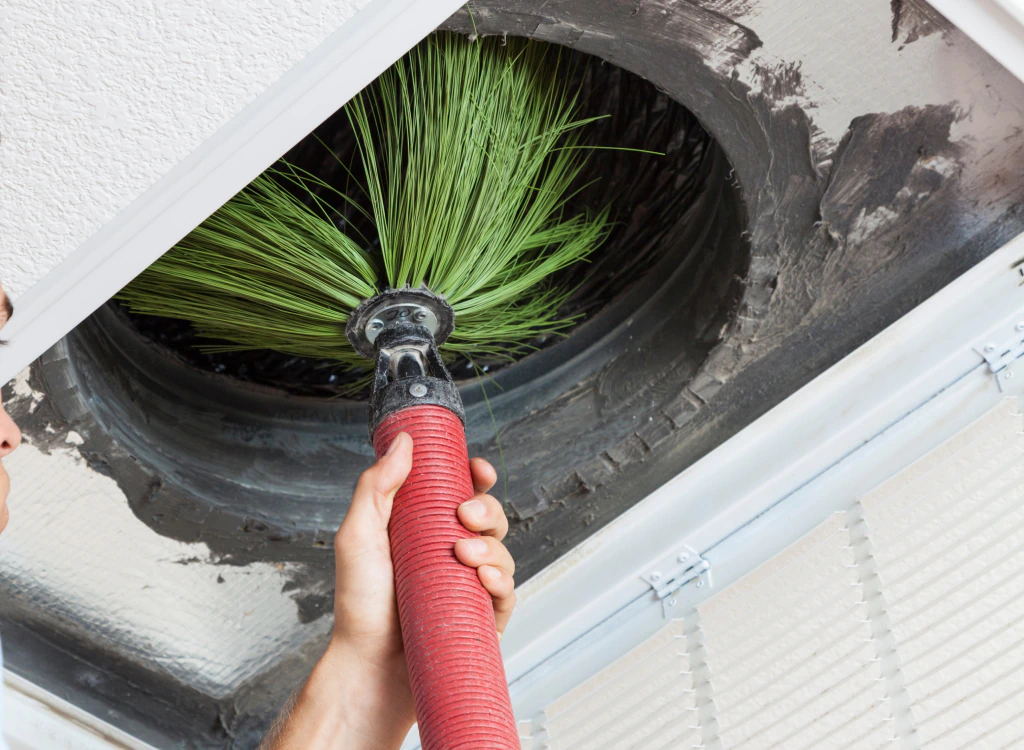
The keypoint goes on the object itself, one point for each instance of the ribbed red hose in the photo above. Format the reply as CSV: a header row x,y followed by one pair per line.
x,y
451,641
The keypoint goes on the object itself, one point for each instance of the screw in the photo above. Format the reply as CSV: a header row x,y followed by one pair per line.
x,y
1020,326
683,556
700,584
419,316
655,576
671,602
1008,375
418,390
990,347
376,325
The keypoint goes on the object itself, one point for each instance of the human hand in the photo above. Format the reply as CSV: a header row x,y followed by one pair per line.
x,y
363,678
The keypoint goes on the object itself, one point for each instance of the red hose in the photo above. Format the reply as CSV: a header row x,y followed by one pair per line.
x,y
451,641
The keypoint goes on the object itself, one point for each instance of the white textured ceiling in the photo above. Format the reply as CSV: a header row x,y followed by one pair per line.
x,y
99,100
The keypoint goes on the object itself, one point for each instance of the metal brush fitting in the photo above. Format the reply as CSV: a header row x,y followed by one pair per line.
x,y
400,329
392,306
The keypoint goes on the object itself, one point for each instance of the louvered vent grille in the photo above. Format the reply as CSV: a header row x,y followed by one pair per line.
x,y
949,541
645,697
898,623
790,652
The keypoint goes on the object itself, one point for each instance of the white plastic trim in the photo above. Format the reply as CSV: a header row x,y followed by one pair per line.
x,y
35,719
250,142
997,26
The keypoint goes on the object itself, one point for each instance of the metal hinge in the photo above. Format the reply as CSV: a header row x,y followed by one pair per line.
x,y
670,575
1002,355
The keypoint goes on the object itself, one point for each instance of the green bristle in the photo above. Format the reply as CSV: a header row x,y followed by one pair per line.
x,y
468,152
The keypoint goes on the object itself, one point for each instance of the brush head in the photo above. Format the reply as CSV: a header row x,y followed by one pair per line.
x,y
466,155
392,306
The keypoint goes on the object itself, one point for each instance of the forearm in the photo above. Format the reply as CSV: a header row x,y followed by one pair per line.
x,y
346,704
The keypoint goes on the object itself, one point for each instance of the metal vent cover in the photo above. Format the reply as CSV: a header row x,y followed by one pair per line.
x,y
898,622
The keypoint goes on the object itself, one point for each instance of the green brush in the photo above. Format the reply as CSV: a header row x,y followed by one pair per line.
x,y
468,153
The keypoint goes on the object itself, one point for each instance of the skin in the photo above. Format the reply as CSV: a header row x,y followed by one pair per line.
x,y
358,696
10,435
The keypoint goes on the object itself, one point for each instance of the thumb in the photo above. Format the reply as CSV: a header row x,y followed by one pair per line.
x,y
375,491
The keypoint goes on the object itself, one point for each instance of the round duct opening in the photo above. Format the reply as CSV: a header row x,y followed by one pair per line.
x,y
647,192
256,449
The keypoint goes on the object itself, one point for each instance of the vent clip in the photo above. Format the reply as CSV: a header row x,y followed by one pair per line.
x,y
1002,356
670,575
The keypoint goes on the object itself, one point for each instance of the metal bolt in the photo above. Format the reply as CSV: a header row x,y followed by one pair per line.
x,y
419,316
655,576
700,584
418,390
376,325
683,556
1008,374
671,602
990,347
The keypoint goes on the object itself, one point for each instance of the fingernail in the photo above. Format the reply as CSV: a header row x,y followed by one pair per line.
x,y
391,448
474,508
476,546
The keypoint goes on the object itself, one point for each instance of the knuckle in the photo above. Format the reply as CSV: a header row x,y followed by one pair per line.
x,y
367,480
368,486
379,496
502,525
510,562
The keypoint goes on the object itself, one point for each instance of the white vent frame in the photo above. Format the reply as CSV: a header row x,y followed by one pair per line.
x,y
36,718
890,402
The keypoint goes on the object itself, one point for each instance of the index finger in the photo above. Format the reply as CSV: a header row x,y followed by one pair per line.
x,y
484,475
